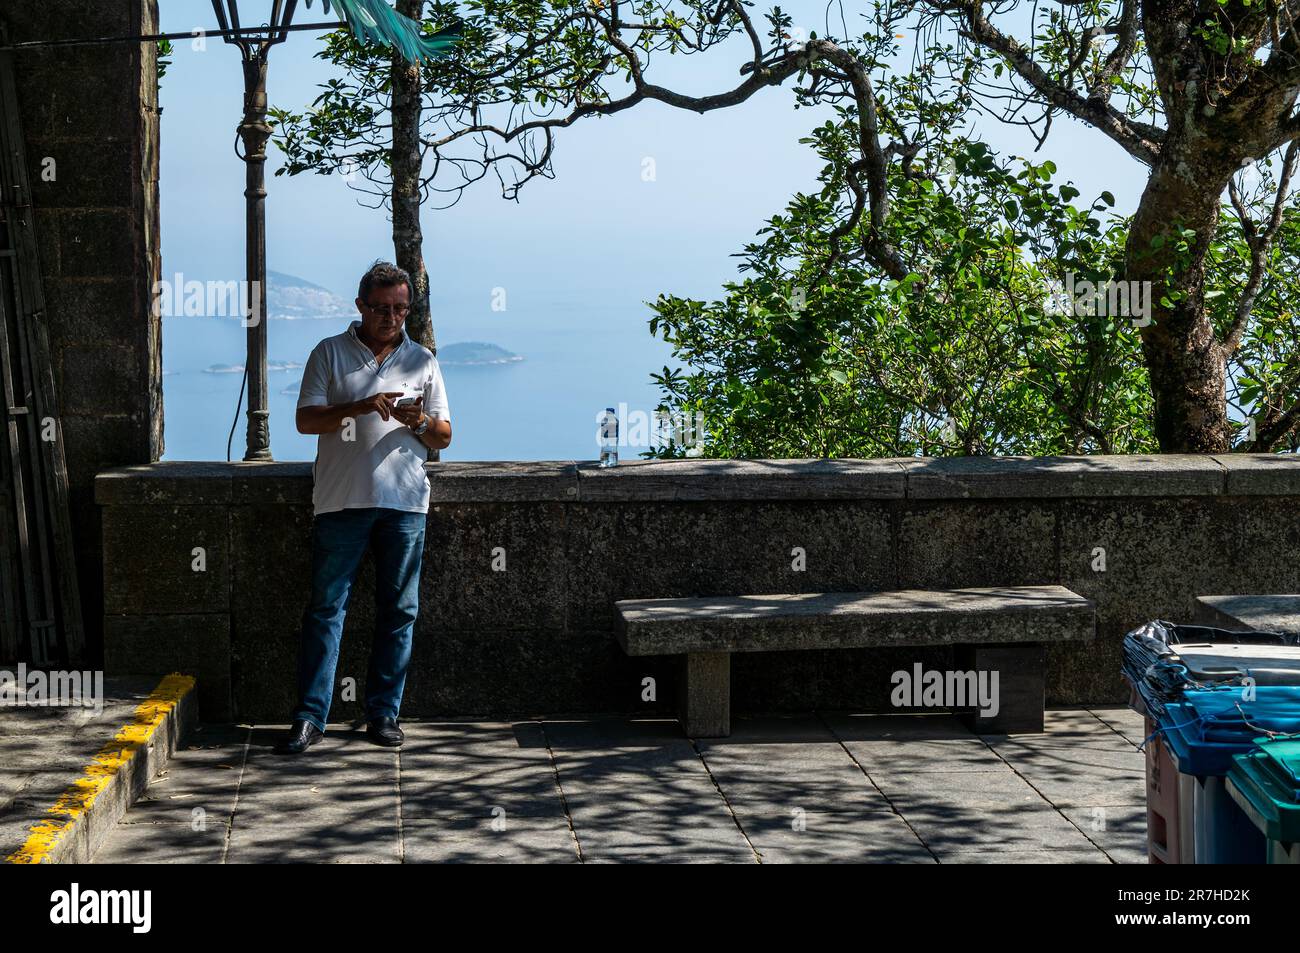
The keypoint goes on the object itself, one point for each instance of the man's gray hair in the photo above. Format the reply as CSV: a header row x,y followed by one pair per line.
x,y
384,274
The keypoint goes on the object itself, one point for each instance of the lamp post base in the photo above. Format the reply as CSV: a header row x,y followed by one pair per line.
x,y
259,437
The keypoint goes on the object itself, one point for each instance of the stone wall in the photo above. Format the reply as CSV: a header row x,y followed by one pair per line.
x,y
538,637
90,121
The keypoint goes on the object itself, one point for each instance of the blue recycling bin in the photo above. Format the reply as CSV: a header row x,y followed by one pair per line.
x,y
1209,692
1204,732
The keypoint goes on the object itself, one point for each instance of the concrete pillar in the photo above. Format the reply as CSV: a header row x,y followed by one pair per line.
x,y
90,120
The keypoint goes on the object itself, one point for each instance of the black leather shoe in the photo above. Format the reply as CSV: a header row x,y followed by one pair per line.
x,y
384,731
301,736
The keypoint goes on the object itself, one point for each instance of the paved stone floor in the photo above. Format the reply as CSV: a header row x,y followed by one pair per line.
x,y
43,748
814,788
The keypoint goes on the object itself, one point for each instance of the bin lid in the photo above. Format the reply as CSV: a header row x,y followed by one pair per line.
x,y
1183,728
1163,660
1267,664
1266,784
1207,728
1282,761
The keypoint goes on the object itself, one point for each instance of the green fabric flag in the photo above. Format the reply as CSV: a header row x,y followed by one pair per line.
x,y
374,21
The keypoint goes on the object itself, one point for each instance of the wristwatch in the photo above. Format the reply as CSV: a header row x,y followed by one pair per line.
x,y
424,425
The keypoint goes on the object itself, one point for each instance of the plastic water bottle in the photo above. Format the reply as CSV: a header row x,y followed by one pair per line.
x,y
609,438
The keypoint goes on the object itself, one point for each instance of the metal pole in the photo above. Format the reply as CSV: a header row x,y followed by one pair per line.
x,y
255,132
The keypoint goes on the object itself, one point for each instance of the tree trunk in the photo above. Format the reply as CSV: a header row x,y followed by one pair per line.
x,y
408,239
1205,142
1183,354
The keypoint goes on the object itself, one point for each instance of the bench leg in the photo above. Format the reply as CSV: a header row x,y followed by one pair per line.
x,y
705,694
1022,671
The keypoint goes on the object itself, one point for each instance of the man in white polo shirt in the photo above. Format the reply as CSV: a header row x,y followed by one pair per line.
x,y
376,399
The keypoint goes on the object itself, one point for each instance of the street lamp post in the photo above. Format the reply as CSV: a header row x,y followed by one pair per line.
x,y
254,131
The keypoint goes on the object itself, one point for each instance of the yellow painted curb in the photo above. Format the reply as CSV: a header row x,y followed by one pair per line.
x,y
81,794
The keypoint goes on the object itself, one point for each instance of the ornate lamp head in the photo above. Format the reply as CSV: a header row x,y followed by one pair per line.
x,y
255,45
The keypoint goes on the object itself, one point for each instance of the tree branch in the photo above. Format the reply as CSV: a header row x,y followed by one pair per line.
x,y
1140,140
1258,242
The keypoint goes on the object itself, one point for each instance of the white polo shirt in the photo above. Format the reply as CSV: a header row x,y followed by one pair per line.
x,y
382,464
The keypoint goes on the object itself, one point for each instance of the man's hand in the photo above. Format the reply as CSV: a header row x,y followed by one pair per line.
x,y
327,419
381,403
411,413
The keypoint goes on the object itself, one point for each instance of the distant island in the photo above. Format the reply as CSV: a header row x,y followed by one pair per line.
x,y
465,353
290,298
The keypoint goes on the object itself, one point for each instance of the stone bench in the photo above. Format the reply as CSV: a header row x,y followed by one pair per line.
x,y
1263,613
1004,630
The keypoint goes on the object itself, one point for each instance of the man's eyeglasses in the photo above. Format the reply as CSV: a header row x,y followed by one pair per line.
x,y
400,311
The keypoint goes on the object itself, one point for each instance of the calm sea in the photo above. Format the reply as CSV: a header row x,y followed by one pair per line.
x,y
541,408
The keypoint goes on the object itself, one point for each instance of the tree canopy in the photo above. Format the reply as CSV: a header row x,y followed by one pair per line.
x,y
921,267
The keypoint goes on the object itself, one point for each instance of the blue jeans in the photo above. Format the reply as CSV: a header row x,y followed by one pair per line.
x,y
339,540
